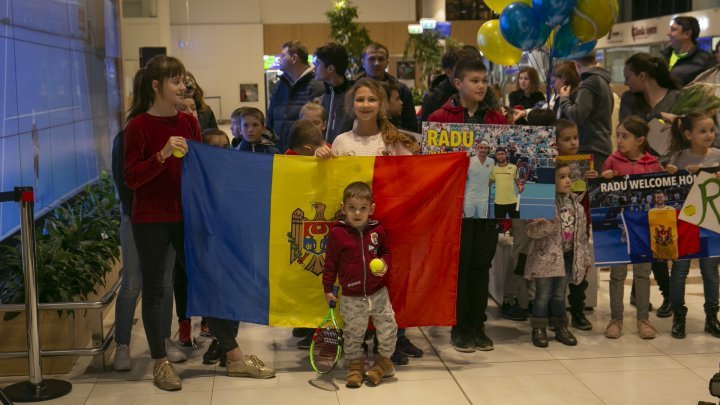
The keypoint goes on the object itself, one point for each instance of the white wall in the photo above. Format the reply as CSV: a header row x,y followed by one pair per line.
x,y
222,57
285,11
433,9
216,11
143,32
227,37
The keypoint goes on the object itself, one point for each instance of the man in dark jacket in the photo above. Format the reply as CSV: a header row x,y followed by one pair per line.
x,y
331,62
295,88
375,60
592,108
685,59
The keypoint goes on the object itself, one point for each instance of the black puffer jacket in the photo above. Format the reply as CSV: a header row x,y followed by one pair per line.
x,y
686,69
286,101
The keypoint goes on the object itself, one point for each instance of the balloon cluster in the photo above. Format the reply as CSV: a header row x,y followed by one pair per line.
x,y
566,29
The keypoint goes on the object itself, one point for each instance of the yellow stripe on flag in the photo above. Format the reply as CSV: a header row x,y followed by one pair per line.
x,y
306,195
663,234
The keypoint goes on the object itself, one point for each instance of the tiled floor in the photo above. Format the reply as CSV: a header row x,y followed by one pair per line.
x,y
597,371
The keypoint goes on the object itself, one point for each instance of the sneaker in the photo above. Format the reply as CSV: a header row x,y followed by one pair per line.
x,y
513,312
614,329
122,360
405,346
304,344
645,329
205,329
249,366
665,310
298,332
481,341
173,352
212,355
165,377
184,333
462,342
399,359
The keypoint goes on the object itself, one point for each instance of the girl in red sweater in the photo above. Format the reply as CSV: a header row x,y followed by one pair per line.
x,y
155,139
630,157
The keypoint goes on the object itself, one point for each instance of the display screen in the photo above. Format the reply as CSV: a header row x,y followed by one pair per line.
x,y
60,98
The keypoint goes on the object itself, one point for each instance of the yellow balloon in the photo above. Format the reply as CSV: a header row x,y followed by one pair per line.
x,y
593,19
498,5
492,44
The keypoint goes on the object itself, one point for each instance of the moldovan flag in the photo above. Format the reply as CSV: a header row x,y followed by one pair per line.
x,y
640,239
256,229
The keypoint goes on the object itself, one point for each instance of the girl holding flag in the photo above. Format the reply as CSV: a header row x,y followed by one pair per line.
x,y
691,149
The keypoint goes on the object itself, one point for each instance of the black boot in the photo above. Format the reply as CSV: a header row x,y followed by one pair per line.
x,y
563,334
579,321
678,325
712,326
665,310
539,331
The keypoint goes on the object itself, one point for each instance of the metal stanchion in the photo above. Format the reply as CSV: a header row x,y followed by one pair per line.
x,y
35,389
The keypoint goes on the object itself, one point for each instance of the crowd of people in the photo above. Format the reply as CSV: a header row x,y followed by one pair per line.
x,y
319,111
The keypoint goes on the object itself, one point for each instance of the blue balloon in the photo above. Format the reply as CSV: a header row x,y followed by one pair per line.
x,y
543,35
567,46
554,12
521,27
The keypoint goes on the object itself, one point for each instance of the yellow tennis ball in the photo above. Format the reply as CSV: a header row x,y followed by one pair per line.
x,y
690,210
178,153
376,265
593,19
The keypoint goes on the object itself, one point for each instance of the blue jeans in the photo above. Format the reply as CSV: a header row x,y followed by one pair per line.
x,y
131,286
710,279
550,292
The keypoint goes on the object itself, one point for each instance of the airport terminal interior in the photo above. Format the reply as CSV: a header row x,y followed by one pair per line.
x,y
68,82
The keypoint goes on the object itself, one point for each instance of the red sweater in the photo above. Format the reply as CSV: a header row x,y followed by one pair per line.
x,y
156,185
348,257
622,165
452,112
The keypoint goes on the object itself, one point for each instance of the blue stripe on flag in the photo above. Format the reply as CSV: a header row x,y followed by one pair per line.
x,y
216,220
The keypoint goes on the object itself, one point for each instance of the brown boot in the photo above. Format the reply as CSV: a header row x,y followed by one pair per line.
x,y
355,373
383,367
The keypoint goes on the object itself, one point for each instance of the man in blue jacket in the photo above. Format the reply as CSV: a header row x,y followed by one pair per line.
x,y
295,88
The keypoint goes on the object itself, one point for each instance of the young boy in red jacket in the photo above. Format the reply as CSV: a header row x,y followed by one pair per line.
x,y
468,105
365,296
478,235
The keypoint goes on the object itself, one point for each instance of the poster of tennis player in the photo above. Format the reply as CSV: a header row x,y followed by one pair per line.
x,y
511,171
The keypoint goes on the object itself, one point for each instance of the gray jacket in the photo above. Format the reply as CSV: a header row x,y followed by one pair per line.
x,y
592,111
545,255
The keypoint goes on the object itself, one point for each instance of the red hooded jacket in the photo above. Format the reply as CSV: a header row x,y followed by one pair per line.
x,y
622,165
452,111
348,255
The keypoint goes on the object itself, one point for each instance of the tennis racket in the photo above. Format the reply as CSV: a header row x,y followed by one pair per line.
x,y
326,346
523,172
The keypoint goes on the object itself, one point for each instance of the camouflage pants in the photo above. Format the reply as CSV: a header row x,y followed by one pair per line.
x,y
356,311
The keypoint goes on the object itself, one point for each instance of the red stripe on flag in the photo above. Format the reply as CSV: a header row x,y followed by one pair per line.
x,y
688,237
419,203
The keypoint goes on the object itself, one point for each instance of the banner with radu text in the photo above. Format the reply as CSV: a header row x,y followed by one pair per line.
x,y
640,218
523,174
